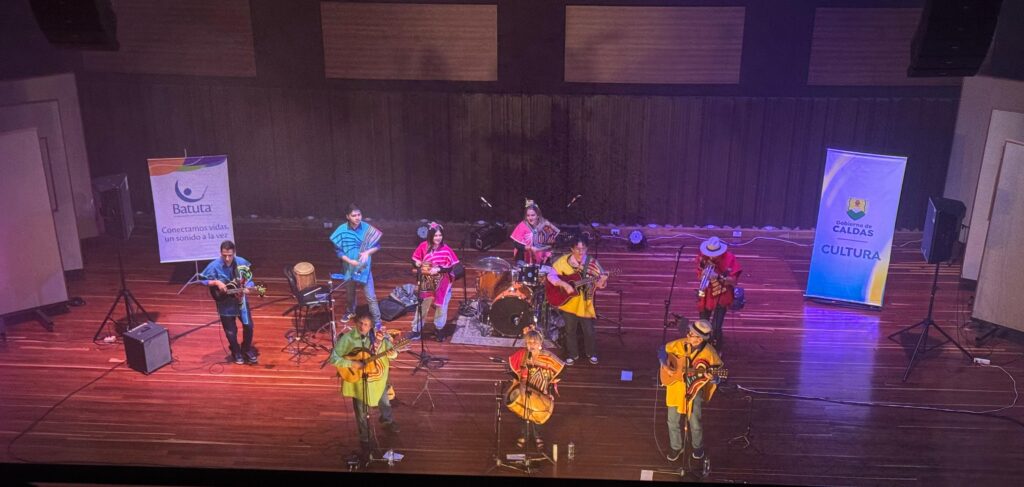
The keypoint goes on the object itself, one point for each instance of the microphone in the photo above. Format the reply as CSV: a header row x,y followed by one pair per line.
x,y
574,198
529,355
497,360
486,202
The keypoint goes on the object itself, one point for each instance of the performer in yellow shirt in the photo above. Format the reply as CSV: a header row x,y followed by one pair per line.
x,y
578,311
699,360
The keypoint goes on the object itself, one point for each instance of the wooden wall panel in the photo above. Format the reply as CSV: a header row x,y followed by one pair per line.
x,y
635,159
410,41
865,46
700,45
180,37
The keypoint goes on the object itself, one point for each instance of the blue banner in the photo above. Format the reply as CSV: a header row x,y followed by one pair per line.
x,y
860,194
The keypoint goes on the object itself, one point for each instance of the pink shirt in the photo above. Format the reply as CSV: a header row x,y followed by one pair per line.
x,y
440,257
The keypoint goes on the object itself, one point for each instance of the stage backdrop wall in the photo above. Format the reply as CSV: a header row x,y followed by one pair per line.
x,y
688,160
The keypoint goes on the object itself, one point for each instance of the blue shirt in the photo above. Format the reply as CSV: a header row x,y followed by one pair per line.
x,y
219,271
346,243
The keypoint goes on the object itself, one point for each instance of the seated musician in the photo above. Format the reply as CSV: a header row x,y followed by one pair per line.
x,y
371,390
697,357
434,259
535,370
532,237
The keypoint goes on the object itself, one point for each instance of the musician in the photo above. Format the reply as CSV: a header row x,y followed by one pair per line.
x,y
434,259
372,390
578,311
217,275
355,243
532,237
686,397
536,369
724,272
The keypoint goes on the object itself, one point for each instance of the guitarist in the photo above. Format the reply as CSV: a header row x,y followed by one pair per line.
x,y
687,396
438,257
355,261
371,391
578,311
217,275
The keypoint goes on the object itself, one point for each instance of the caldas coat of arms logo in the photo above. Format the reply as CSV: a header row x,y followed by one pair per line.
x,y
856,208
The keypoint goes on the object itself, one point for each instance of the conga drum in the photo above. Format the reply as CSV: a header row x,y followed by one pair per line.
x,y
305,275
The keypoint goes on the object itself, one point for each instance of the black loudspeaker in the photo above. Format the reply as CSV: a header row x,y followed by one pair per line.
x,y
486,236
953,37
941,228
82,24
114,205
147,347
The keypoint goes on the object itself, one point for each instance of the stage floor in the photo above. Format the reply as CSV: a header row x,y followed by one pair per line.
x,y
67,400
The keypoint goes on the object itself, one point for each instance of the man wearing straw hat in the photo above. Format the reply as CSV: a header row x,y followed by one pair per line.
x,y
686,397
717,274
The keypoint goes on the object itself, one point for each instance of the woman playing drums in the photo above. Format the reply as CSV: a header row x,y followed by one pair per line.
x,y
434,260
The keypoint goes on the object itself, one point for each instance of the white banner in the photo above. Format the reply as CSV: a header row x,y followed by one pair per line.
x,y
192,205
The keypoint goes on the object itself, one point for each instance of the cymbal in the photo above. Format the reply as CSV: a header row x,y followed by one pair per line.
x,y
492,264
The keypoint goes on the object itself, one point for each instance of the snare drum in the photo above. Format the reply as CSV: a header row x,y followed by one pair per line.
x,y
305,275
512,310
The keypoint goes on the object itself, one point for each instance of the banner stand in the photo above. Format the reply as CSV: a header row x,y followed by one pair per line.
x,y
196,277
860,196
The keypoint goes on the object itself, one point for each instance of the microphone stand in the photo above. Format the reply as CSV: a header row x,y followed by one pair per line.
x,y
465,309
668,302
424,358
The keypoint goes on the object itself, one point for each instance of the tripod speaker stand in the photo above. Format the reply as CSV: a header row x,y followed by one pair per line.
x,y
925,325
129,304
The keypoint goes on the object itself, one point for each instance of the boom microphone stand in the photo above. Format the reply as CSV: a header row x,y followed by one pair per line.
x,y
668,302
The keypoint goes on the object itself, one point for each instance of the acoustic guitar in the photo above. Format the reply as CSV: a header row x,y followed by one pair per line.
x,y
348,374
234,290
674,370
557,296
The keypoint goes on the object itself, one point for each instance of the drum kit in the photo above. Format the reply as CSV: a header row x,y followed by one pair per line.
x,y
506,294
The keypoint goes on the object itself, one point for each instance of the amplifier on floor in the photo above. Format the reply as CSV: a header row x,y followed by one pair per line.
x,y
147,347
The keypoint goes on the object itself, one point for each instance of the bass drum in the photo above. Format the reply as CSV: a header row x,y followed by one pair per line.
x,y
512,310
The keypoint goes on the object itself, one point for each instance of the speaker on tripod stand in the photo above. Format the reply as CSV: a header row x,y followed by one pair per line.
x,y
115,210
941,232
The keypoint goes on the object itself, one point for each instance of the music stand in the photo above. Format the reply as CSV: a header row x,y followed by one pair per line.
x,y
927,323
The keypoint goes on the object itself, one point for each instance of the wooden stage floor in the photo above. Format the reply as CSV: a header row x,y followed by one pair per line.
x,y
67,400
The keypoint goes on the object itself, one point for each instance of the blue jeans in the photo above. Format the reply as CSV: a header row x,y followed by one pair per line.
x,y
440,312
359,407
675,435
229,323
369,293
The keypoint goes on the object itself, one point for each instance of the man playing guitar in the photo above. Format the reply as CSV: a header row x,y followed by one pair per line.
x,y
578,311
699,367
217,275
370,390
